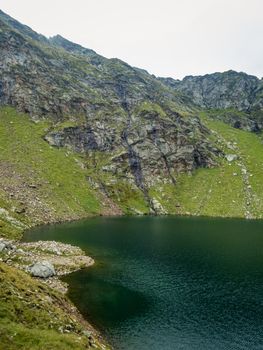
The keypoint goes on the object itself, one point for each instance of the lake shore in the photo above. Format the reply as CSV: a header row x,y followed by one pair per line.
x,y
65,259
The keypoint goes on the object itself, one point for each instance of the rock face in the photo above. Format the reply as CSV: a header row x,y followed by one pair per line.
x,y
42,269
57,78
221,90
232,91
149,143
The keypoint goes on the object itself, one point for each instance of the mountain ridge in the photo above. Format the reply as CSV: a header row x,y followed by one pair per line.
x,y
131,129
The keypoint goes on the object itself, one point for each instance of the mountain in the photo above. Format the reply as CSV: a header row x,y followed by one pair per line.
x,y
82,135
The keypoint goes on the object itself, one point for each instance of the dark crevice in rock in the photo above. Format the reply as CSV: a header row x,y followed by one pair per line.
x,y
168,168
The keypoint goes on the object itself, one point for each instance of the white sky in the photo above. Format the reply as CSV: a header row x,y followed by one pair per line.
x,y
167,37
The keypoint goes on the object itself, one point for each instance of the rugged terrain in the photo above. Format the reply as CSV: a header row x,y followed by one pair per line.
x,y
237,98
82,135
130,129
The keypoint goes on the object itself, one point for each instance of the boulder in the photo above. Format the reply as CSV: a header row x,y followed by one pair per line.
x,y
6,245
231,157
43,269
2,246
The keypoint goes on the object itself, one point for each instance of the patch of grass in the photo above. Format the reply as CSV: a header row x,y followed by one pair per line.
x,y
47,182
208,192
225,112
150,108
250,151
32,315
211,192
130,199
70,123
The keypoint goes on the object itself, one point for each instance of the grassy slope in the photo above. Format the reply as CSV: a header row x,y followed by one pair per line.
x,y
224,191
31,317
38,183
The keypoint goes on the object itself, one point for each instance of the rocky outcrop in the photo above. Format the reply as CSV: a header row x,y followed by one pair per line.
x,y
152,147
230,93
221,90
41,299
47,260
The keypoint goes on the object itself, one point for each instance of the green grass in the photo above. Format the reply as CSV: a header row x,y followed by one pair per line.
x,y
48,182
221,191
147,107
250,152
130,199
225,112
32,316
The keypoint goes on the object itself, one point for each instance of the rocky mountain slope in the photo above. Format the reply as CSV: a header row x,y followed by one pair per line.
x,y
90,135
237,97
131,130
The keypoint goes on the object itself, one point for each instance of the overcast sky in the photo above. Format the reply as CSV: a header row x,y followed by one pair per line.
x,y
167,37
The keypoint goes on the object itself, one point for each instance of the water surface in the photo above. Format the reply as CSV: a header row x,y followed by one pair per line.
x,y
169,283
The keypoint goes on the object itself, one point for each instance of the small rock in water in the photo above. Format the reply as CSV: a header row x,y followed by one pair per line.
x,y
42,269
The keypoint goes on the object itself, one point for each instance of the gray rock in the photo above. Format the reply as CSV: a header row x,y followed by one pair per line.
x,y
219,90
237,97
2,246
43,269
231,157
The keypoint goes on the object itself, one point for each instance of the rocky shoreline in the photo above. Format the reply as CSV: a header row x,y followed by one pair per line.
x,y
46,262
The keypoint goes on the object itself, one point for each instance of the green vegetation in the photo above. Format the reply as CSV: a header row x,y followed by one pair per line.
x,y
227,112
34,317
150,108
39,183
233,189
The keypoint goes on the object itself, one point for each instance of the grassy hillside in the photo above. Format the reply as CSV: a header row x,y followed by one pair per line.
x,y
31,317
38,183
233,189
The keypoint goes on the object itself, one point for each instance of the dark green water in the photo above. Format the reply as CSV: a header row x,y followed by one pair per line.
x,y
169,283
